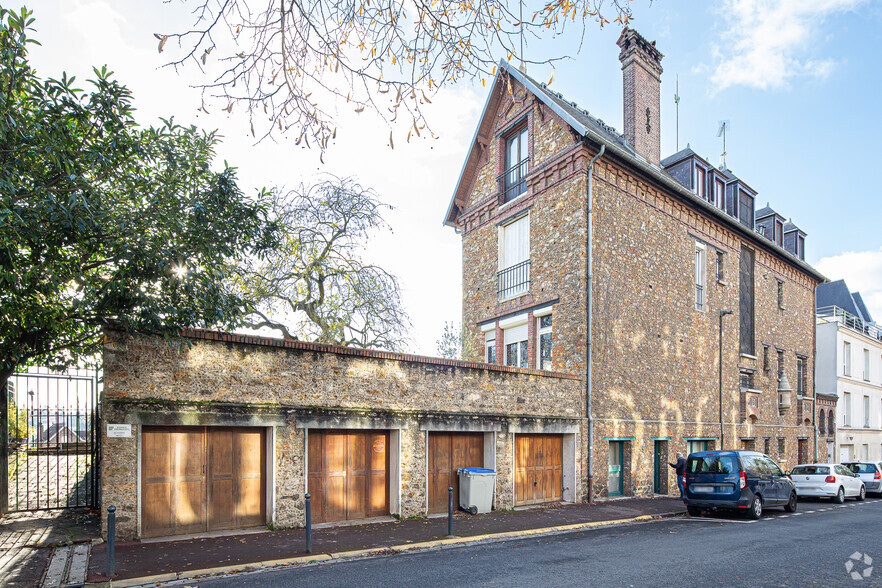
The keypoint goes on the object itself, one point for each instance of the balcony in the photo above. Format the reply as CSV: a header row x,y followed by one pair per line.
x,y
834,314
513,181
514,280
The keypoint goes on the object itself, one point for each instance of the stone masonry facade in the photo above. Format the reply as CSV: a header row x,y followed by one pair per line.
x,y
291,386
655,358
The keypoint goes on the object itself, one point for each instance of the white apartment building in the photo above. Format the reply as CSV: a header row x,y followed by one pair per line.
x,y
848,364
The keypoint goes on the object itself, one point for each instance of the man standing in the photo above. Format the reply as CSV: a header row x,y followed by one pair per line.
x,y
680,468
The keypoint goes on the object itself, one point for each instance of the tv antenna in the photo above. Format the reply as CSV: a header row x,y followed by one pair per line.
x,y
521,32
724,126
677,102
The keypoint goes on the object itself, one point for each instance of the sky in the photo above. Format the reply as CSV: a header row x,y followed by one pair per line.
x,y
798,80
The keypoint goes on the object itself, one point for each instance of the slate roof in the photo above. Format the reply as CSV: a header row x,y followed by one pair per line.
x,y
597,131
837,294
766,211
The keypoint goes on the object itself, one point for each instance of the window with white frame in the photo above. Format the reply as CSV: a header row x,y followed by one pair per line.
x,y
490,346
700,182
514,258
515,345
865,452
846,358
846,400
544,342
719,194
700,277
867,412
866,365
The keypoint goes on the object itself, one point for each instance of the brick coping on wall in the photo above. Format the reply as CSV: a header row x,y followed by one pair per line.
x,y
262,341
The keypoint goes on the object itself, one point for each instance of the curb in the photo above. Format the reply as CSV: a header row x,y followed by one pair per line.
x,y
381,551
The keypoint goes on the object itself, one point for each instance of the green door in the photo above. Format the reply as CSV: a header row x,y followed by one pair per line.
x,y
616,458
657,468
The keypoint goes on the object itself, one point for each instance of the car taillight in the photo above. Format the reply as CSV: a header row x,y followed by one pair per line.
x,y
742,480
830,479
877,475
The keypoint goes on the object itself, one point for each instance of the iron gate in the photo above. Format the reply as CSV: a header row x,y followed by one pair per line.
x,y
53,440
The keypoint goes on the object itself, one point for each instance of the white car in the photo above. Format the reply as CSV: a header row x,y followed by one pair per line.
x,y
870,472
827,480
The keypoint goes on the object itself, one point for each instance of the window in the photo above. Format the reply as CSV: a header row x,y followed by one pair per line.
x,y
700,182
490,346
746,325
700,277
766,366
745,208
747,381
866,365
779,233
767,445
801,376
544,342
780,294
781,446
780,371
514,258
831,422
865,451
515,339
867,412
822,427
846,400
517,160
695,446
720,274
846,358
720,193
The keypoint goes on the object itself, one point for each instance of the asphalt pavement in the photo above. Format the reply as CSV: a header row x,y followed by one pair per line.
x,y
810,548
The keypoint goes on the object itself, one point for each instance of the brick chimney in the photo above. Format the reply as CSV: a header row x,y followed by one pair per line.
x,y
641,74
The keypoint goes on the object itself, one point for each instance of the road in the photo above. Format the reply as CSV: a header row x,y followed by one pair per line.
x,y
808,548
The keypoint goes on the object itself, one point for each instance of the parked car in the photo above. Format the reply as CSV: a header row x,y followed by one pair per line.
x,y
737,480
868,471
827,480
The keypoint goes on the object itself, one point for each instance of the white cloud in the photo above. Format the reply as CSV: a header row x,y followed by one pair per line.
x,y
862,271
766,41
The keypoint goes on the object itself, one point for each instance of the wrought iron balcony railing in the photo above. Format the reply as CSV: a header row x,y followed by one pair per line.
x,y
513,181
514,280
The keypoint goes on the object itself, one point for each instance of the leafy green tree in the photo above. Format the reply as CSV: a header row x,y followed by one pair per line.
x,y
315,285
18,422
102,221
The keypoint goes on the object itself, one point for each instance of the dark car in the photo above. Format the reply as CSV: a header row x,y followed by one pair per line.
x,y
737,480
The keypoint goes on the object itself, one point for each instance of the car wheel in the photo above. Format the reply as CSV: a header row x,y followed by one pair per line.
x,y
862,494
791,504
693,511
756,508
840,496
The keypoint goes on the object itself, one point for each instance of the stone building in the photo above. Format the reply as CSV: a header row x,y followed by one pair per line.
x,y
230,431
849,373
584,252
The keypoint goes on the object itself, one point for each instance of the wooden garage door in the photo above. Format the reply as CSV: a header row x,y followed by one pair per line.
x,y
197,479
447,453
348,475
538,469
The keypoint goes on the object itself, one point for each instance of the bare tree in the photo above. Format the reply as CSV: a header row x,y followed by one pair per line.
x,y
456,342
315,286
291,63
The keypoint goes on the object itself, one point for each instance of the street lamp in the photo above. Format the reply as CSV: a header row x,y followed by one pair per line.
x,y
722,434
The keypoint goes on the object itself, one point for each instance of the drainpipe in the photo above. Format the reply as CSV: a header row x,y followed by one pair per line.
x,y
588,359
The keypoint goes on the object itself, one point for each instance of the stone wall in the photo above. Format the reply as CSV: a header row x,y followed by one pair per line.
x,y
290,387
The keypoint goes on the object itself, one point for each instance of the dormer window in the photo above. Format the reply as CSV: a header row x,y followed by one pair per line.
x,y
700,181
517,161
720,194
745,208
779,233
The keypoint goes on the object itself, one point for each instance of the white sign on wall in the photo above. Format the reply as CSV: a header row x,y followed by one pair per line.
x,y
119,430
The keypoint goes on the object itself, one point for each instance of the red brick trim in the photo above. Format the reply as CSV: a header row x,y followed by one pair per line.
x,y
260,341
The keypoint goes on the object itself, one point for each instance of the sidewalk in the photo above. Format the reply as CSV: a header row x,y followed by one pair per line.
x,y
137,560
27,541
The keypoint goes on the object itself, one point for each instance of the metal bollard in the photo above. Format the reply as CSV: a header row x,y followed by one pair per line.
x,y
111,539
450,510
308,524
